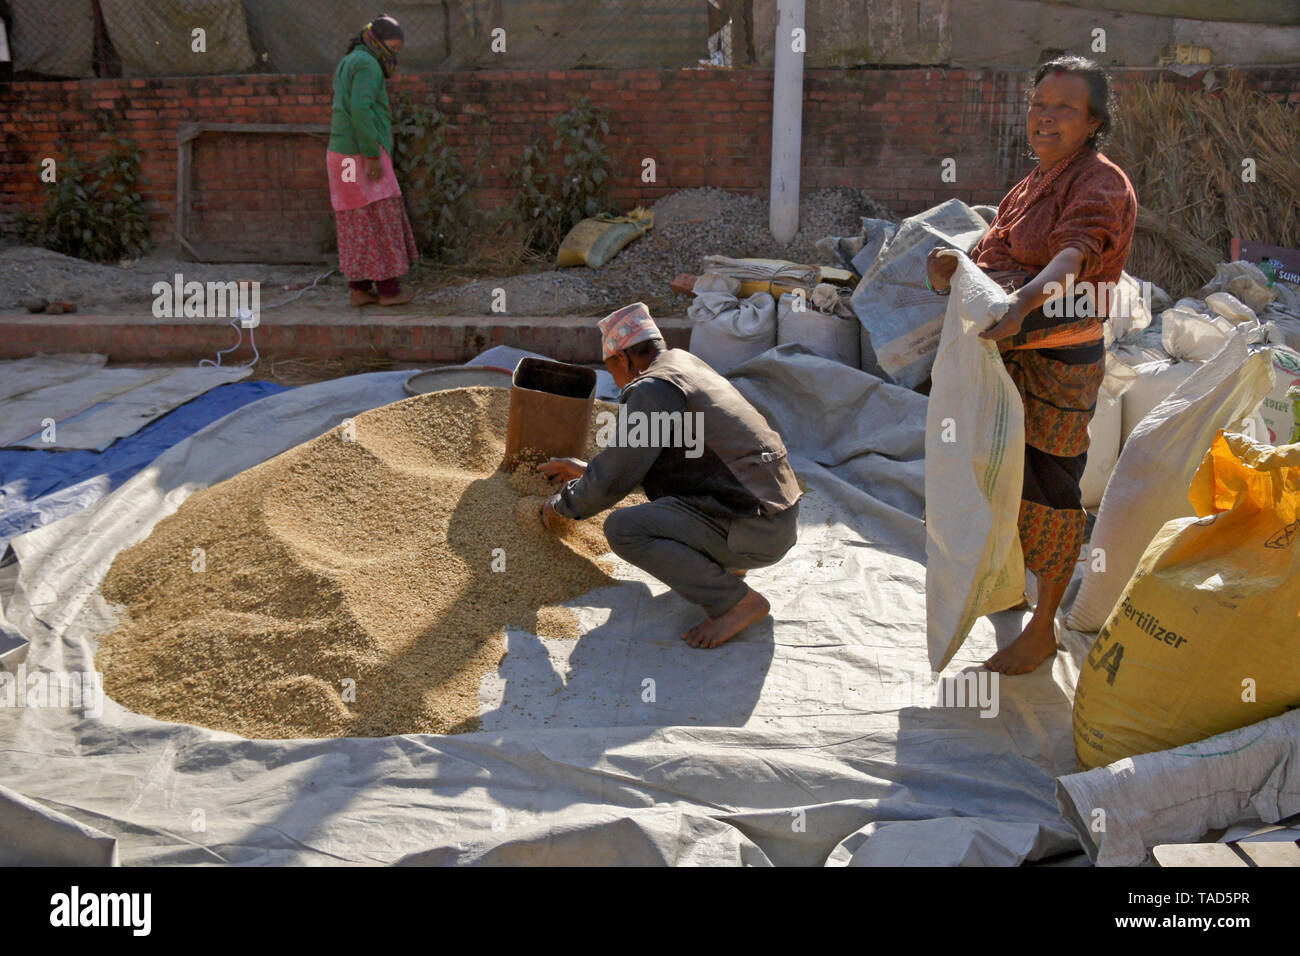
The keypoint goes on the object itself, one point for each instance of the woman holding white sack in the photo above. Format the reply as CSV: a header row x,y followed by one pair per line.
x,y
1071,220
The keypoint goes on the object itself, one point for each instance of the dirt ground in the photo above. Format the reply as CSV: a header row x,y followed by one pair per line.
x,y
689,225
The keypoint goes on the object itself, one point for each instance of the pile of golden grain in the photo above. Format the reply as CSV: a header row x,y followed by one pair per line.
x,y
348,587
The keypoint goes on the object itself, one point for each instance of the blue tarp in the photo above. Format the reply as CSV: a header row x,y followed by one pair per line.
x,y
37,487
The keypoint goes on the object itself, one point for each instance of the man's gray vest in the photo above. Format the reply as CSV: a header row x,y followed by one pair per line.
x,y
744,462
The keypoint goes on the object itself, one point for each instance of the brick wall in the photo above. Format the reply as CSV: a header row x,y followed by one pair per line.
x,y
886,131
263,191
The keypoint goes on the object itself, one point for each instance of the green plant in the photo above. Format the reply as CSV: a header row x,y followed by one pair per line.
x,y
546,205
433,181
93,211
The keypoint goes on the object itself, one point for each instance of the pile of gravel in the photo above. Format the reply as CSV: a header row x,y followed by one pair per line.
x,y
554,292
689,225
695,223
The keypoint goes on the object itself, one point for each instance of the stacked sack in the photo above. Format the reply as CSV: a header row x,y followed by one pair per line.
x,y
1205,637
743,307
1192,331
729,330
1192,572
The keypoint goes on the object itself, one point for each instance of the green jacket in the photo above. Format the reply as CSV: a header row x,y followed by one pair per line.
x,y
360,121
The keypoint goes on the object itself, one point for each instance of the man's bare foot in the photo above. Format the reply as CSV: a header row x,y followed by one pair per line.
x,y
1036,643
400,299
715,631
738,572
362,297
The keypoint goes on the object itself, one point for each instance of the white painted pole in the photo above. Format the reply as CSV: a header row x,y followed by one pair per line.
x,y
787,119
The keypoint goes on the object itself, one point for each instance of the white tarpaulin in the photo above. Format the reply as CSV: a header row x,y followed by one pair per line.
x,y
21,376
813,738
91,407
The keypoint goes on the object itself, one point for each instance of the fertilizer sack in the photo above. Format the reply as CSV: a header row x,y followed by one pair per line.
x,y
1149,484
1206,637
1154,382
1278,411
974,471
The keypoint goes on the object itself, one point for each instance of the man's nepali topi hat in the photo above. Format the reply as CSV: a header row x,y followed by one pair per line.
x,y
627,326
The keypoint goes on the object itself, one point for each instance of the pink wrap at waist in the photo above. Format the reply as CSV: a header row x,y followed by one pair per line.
x,y
364,190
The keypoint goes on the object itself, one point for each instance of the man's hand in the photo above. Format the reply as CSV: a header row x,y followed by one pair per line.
x,y
374,167
552,520
559,470
1009,324
939,269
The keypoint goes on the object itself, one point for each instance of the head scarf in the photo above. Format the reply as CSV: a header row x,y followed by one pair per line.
x,y
627,326
386,57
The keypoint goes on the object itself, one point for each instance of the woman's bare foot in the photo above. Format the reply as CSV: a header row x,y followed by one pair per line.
x,y
715,631
400,299
362,297
1036,643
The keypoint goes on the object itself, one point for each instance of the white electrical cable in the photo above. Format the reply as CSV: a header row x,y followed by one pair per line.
x,y
302,292
236,323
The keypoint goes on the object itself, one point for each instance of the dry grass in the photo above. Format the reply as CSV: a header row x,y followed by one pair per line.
x,y
492,254
296,372
1183,150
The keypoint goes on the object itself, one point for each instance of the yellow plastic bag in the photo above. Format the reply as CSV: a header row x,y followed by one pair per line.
x,y
1206,637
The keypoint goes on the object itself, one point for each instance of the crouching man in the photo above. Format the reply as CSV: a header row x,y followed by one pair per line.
x,y
723,497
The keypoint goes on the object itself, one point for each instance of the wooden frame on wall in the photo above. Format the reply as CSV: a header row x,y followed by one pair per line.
x,y
186,134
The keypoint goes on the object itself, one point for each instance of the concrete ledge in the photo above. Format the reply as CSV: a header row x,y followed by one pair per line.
x,y
309,334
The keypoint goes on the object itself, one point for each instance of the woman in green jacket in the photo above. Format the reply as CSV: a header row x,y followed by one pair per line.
x,y
376,245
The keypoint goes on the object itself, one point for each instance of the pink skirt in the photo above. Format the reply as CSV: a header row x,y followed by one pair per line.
x,y
375,241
